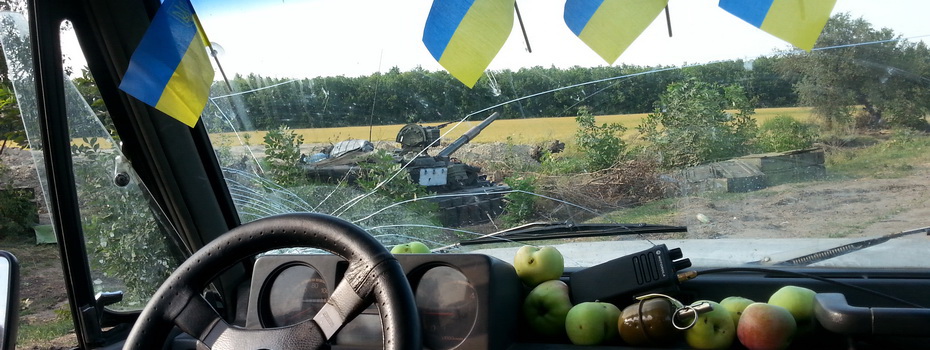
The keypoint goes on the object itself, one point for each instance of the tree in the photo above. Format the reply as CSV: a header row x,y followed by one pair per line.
x,y
11,126
87,87
693,124
863,67
601,145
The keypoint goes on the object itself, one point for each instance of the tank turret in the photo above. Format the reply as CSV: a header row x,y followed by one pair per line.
x,y
441,172
468,197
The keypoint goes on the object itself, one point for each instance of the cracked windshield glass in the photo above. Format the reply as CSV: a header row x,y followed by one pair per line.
x,y
740,137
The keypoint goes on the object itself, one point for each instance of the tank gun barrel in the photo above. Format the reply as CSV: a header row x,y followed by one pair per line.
x,y
468,136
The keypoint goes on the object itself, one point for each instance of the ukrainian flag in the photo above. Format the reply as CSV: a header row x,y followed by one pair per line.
x,y
609,26
170,69
798,22
465,35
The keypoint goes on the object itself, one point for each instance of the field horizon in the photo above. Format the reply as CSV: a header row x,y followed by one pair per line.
x,y
520,131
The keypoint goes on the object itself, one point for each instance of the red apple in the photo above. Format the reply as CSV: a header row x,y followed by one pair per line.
x,y
764,326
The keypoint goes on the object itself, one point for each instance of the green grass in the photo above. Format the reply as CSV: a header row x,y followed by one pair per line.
x,y
895,158
45,332
36,260
660,212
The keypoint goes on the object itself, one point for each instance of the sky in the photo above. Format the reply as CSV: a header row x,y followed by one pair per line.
x,y
308,38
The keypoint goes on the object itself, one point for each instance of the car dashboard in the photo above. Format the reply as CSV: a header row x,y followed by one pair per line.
x,y
465,301
474,301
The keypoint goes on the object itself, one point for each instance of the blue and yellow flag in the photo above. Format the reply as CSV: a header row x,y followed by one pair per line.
x,y
465,35
170,69
609,26
795,21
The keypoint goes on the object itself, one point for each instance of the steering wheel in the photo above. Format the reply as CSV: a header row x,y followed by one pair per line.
x,y
372,271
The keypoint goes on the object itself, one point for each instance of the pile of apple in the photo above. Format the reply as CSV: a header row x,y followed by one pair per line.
x,y
789,312
549,312
548,308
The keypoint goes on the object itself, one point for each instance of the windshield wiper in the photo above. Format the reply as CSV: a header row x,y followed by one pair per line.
x,y
556,230
848,248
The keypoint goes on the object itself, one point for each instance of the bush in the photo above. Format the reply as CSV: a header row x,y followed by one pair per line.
x,y
691,124
629,183
561,164
784,133
520,206
601,145
17,212
377,173
282,153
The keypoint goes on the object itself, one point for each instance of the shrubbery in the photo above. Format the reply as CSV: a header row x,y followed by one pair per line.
x,y
378,175
784,133
692,124
17,210
282,153
521,205
601,145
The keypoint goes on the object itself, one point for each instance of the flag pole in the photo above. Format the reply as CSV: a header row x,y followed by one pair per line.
x,y
522,28
209,44
668,19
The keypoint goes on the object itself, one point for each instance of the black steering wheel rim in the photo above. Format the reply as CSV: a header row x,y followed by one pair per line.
x,y
373,271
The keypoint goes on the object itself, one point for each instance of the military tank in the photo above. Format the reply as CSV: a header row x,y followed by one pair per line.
x,y
463,194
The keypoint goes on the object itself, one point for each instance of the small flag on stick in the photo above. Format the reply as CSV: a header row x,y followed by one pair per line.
x,y
795,21
609,26
170,69
465,35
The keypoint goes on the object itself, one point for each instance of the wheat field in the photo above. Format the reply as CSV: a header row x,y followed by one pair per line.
x,y
517,131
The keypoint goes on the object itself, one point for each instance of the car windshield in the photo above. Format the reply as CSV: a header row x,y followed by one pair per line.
x,y
744,135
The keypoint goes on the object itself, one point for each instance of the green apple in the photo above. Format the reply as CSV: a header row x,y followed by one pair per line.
x,y
546,307
592,323
410,248
800,303
613,317
713,330
536,265
735,306
765,326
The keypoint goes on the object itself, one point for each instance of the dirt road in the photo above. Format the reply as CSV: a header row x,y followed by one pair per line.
x,y
829,208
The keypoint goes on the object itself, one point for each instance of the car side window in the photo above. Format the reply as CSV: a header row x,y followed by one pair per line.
x,y
125,234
